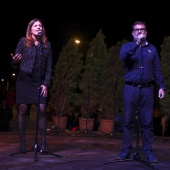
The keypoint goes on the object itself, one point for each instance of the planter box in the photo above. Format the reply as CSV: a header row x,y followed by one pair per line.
x,y
106,126
60,122
86,124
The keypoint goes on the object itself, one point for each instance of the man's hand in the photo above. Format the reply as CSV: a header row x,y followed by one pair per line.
x,y
161,93
140,39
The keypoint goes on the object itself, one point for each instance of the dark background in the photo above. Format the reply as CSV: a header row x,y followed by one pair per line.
x,y
81,19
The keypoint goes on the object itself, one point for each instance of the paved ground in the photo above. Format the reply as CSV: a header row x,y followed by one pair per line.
x,y
77,151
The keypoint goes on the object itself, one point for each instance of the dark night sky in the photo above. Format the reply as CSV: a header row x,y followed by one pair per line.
x,y
83,19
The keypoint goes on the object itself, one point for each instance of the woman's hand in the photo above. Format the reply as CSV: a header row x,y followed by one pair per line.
x,y
16,58
44,90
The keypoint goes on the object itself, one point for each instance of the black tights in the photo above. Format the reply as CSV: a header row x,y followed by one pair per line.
x,y
22,118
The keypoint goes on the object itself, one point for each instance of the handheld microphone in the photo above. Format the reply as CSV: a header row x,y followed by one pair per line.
x,y
40,45
39,33
142,39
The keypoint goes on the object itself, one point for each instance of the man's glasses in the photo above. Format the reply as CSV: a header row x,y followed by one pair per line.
x,y
139,29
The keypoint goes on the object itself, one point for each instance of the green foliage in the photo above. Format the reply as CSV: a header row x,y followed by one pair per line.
x,y
112,82
67,73
165,58
91,78
92,82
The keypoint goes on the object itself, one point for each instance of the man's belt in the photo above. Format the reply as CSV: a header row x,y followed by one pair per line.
x,y
140,85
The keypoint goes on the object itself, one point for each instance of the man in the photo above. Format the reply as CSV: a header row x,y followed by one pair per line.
x,y
142,70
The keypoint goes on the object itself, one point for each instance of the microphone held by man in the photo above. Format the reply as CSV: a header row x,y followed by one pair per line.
x,y
141,39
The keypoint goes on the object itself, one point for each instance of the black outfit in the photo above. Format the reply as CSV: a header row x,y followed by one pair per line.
x,y
142,70
35,69
28,61
27,85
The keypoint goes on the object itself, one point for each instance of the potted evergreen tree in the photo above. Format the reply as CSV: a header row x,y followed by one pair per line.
x,y
91,79
111,88
164,103
67,71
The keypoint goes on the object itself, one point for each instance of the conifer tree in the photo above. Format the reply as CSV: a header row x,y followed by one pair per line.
x,y
91,78
165,60
112,82
65,80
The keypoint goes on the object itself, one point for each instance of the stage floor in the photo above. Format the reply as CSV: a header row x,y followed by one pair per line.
x,y
77,151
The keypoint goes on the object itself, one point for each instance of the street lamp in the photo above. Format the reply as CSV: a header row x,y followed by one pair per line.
x,y
83,45
77,41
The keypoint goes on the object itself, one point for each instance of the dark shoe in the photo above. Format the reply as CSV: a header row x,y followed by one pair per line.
x,y
123,155
150,157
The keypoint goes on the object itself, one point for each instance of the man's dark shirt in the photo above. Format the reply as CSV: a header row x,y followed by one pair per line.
x,y
142,64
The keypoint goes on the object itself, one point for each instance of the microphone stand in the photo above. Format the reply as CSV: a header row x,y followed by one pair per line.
x,y
138,114
36,147
87,114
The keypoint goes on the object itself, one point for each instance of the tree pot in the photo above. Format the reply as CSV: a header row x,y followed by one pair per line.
x,y
86,124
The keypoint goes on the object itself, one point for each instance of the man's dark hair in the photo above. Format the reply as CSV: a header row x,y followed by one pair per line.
x,y
138,22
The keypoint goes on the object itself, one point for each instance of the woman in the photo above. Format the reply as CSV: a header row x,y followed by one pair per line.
x,y
33,58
